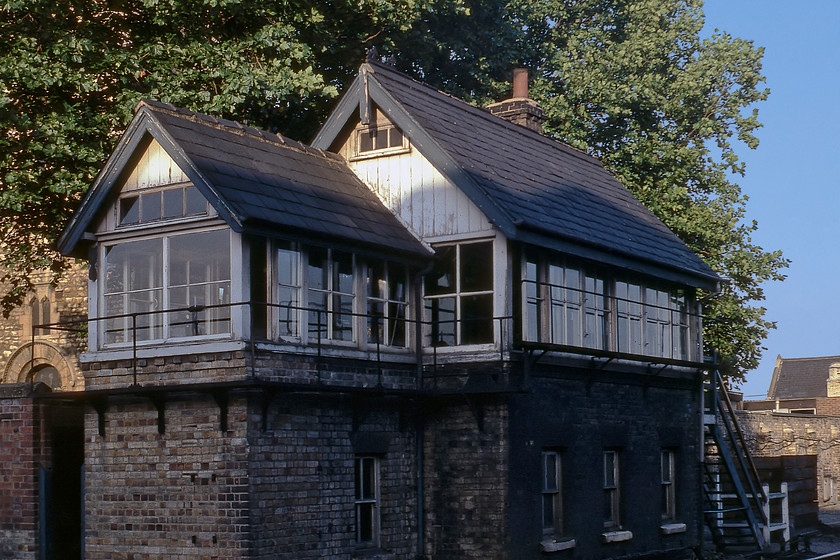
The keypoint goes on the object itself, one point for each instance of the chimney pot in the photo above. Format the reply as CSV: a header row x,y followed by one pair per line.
x,y
520,83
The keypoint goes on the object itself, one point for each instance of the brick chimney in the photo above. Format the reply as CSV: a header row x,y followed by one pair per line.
x,y
520,109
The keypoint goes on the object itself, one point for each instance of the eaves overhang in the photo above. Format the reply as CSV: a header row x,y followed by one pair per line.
x,y
142,126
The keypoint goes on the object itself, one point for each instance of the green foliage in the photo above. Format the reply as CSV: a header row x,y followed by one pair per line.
x,y
632,82
629,81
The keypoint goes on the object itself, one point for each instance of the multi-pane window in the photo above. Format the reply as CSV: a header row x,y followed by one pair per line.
x,y
552,512
387,300
668,500
459,294
183,274
611,489
288,289
567,305
377,139
331,293
164,204
367,500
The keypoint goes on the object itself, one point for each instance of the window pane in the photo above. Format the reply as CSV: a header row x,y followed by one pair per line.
x,y
129,210
342,318
342,272
195,202
442,278
318,269
375,280
396,138
550,468
396,325
365,141
548,511
173,203
397,282
199,257
442,311
476,267
376,321
477,319
380,139
150,207
364,522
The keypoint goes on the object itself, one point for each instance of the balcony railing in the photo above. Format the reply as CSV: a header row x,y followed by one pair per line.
x,y
543,324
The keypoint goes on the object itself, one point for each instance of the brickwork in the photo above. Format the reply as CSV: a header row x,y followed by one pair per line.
x,y
582,415
466,466
773,434
66,299
20,456
178,495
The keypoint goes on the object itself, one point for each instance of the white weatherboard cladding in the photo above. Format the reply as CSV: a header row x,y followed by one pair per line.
x,y
155,168
420,195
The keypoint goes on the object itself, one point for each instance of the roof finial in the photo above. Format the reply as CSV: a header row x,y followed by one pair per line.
x,y
372,54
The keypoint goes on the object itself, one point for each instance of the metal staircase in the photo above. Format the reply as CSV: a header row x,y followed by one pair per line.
x,y
737,506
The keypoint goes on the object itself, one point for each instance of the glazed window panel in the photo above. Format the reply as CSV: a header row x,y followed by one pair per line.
x,y
459,294
386,285
331,294
288,290
611,489
156,205
367,500
147,277
567,305
199,270
667,485
552,512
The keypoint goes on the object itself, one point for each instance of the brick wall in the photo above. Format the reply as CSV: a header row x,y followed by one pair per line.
x,y
772,434
466,470
21,445
178,495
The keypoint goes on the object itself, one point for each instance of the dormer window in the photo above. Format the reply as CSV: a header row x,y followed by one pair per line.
x,y
378,140
156,205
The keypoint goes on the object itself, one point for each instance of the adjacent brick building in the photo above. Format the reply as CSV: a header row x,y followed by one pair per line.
x,y
432,334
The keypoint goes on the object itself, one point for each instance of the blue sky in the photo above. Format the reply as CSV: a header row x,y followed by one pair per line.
x,y
793,178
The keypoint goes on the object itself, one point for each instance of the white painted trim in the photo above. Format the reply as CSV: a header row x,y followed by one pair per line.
x,y
159,349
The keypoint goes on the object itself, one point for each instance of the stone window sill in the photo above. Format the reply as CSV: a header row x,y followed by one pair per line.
x,y
553,545
672,528
616,536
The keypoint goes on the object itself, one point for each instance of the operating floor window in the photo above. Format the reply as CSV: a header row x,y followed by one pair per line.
x,y
669,509
611,489
552,507
367,500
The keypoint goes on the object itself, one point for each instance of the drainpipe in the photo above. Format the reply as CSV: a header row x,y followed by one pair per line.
x,y
420,424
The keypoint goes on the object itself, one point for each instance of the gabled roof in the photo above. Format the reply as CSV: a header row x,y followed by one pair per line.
x,y
534,189
257,181
797,378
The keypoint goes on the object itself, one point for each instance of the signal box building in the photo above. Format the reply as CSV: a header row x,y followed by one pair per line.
x,y
434,333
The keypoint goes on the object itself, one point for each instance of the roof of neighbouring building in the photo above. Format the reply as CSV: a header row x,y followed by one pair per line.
x,y
797,378
257,181
533,188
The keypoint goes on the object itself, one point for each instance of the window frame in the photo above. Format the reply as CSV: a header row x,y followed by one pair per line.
x,y
374,130
460,296
301,284
161,317
626,311
611,484
552,492
668,465
161,191
364,500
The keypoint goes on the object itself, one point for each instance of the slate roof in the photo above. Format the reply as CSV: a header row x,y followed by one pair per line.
x,y
265,182
798,378
532,187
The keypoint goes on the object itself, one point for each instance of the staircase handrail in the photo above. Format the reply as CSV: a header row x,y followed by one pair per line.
x,y
744,457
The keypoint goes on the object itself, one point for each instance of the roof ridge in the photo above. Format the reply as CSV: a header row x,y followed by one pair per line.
x,y
485,113
233,127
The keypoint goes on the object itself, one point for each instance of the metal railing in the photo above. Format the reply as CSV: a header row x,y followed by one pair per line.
x,y
566,317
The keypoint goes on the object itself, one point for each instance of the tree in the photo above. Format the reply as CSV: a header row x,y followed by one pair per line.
x,y
71,72
629,81
633,83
